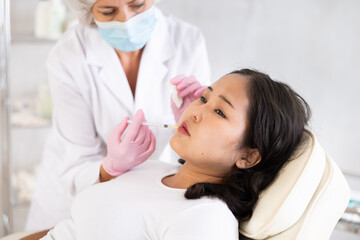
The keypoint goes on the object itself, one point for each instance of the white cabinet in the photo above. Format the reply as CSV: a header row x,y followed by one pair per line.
x,y
28,129
25,133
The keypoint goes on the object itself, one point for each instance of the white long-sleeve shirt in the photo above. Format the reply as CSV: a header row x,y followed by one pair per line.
x,y
138,206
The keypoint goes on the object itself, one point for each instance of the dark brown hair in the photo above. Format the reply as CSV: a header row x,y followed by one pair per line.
x,y
277,118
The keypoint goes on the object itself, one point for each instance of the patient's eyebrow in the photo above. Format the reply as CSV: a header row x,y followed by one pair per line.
x,y
222,97
225,99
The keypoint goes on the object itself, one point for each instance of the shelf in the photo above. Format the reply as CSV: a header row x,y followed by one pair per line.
x,y
23,186
28,37
28,120
348,227
30,112
18,204
350,221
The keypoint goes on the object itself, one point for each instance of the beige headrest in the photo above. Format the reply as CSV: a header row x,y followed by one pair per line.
x,y
284,201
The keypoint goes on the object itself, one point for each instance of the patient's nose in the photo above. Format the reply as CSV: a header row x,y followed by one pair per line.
x,y
197,117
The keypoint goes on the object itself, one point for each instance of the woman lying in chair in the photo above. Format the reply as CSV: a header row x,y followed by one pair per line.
x,y
233,141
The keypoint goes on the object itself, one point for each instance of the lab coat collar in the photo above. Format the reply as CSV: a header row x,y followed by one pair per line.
x,y
153,67
97,50
157,52
160,45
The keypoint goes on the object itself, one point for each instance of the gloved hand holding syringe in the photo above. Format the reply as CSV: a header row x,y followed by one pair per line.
x,y
127,150
130,150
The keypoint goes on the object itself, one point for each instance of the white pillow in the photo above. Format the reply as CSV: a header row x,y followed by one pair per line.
x,y
284,201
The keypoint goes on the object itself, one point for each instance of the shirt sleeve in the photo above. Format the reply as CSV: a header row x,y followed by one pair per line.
x,y
77,143
208,221
63,230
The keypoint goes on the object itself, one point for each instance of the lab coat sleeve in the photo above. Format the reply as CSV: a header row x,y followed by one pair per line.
x,y
79,147
209,221
200,66
63,230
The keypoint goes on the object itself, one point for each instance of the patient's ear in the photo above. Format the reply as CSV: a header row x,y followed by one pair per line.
x,y
248,157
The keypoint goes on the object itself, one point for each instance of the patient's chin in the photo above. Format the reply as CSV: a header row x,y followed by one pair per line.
x,y
176,145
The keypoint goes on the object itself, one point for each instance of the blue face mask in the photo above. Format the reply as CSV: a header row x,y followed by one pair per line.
x,y
130,35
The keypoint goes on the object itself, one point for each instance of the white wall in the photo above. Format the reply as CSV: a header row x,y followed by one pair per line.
x,y
314,45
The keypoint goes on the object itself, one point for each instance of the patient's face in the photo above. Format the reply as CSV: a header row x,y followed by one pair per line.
x,y
213,126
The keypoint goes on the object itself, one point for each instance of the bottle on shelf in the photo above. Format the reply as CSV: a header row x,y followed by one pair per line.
x,y
50,17
44,103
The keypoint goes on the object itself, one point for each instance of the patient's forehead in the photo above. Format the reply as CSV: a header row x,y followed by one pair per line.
x,y
232,85
235,88
232,82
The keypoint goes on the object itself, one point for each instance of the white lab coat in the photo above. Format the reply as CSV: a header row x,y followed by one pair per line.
x,y
91,95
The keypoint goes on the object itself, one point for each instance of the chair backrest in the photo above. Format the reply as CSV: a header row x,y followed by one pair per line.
x,y
304,202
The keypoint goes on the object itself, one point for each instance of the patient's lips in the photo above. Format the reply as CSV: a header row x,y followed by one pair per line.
x,y
183,129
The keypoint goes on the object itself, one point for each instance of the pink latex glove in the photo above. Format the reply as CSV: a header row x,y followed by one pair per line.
x,y
137,146
189,89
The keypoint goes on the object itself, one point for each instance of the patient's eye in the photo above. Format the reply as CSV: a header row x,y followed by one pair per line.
x,y
219,112
203,99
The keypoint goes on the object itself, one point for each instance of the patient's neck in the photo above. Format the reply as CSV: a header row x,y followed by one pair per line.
x,y
189,175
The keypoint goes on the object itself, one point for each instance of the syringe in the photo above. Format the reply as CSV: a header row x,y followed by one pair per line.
x,y
157,125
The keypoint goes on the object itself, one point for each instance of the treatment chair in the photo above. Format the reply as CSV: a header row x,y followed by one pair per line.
x,y
304,202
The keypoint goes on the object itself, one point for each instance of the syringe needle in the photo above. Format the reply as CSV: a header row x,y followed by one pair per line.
x,y
157,125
